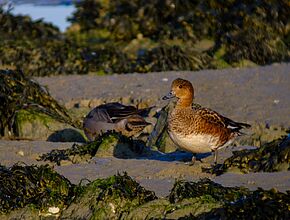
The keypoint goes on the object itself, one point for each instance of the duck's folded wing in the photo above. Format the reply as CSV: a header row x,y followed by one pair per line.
x,y
99,114
215,118
117,111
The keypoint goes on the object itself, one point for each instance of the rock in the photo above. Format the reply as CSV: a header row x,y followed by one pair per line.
x,y
111,198
67,135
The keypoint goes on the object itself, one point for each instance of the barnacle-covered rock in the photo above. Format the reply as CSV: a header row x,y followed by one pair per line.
x,y
271,157
110,198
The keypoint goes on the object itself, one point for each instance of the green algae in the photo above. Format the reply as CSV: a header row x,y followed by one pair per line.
x,y
110,198
144,36
271,157
163,209
261,204
183,189
108,144
29,191
19,92
37,186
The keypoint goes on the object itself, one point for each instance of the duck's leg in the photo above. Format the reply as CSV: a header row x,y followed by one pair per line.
x,y
193,159
215,156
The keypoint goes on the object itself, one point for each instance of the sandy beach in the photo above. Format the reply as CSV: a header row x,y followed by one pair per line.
x,y
258,94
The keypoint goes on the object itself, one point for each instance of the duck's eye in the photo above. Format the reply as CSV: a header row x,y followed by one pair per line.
x,y
180,86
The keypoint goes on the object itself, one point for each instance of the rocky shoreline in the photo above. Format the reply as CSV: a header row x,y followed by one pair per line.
x,y
256,95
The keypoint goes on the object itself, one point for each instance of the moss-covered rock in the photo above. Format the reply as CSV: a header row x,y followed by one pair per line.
x,y
205,187
37,186
20,92
260,134
271,157
145,36
235,202
260,204
39,126
163,209
107,145
110,198
38,192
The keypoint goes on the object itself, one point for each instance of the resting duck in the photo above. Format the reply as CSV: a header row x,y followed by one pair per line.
x,y
197,129
117,117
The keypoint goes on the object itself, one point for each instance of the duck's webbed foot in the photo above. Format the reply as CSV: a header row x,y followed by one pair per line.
x,y
193,160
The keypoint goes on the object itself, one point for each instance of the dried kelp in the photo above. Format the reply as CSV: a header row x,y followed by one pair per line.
x,y
20,92
109,198
40,186
271,157
108,144
238,202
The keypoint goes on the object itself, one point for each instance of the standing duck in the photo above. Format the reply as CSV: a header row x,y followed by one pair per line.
x,y
116,117
197,129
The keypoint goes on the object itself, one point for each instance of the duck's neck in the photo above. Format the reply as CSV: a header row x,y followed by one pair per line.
x,y
184,103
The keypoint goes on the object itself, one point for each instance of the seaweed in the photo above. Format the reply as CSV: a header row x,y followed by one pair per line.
x,y
43,58
40,186
109,198
15,27
110,143
238,202
121,197
124,20
20,92
261,204
184,189
271,157
144,36
256,31
171,57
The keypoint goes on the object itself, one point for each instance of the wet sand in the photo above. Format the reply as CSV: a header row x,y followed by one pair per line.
x,y
259,94
157,172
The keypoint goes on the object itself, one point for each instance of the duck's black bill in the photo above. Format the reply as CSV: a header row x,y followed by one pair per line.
x,y
168,96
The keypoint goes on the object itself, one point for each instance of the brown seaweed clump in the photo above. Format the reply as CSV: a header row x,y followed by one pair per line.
x,y
109,144
271,157
40,186
20,92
